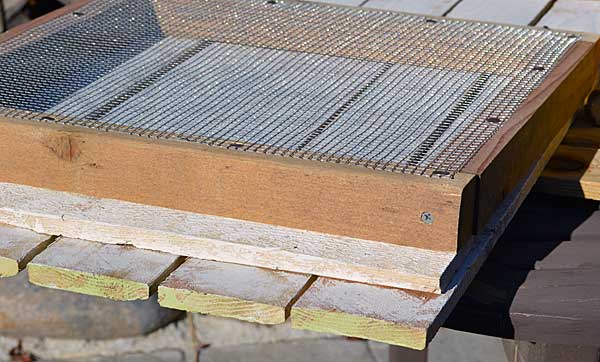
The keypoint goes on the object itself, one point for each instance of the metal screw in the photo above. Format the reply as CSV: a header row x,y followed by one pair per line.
x,y
427,218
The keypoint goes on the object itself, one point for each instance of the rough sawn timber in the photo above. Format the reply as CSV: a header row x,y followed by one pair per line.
x,y
227,240
231,290
111,271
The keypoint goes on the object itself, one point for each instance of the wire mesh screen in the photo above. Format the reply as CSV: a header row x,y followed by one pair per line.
x,y
379,89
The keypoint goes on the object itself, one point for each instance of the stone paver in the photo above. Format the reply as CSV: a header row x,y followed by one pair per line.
x,y
319,350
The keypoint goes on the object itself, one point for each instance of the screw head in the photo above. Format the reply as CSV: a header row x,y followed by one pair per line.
x,y
427,218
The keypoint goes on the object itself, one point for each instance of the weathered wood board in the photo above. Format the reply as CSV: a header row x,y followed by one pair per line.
x,y
18,247
232,290
573,15
517,12
425,7
227,240
111,271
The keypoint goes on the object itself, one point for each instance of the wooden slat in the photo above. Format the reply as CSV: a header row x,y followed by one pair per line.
x,y
516,12
232,290
227,240
18,247
110,271
398,317
573,15
426,7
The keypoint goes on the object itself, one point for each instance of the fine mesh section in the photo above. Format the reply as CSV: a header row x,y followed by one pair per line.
x,y
379,89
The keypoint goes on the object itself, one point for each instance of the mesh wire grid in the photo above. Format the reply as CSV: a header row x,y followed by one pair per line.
x,y
383,90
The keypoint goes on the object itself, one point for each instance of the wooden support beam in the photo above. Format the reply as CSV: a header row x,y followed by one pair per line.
x,y
234,291
17,247
226,240
399,317
111,271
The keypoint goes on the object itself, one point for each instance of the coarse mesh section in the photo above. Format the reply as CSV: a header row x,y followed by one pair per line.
x,y
384,90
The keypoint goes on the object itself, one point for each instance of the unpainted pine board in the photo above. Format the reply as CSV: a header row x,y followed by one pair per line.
x,y
515,12
227,240
573,15
231,290
302,194
111,271
400,317
17,247
573,171
425,7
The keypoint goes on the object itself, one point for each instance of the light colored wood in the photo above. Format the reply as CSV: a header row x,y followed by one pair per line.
x,y
400,317
17,247
573,171
222,239
110,271
508,155
308,195
425,7
232,290
573,15
517,12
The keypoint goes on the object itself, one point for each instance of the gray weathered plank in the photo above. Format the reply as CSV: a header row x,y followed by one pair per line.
x,y
232,290
517,12
18,247
425,7
574,15
111,271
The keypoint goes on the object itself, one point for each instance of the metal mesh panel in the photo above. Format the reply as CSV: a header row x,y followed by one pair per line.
x,y
379,89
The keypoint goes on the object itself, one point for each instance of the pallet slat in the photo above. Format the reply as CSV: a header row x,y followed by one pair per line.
x,y
231,290
111,271
18,247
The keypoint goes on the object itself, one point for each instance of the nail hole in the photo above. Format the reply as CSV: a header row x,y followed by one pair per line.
x,y
46,118
538,68
78,13
493,120
440,173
